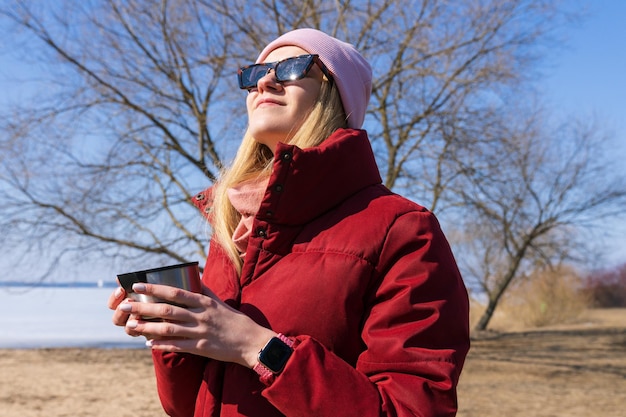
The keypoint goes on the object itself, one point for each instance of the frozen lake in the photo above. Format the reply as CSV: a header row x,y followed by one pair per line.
x,y
59,316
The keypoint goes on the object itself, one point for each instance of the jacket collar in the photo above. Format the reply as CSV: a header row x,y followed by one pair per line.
x,y
305,183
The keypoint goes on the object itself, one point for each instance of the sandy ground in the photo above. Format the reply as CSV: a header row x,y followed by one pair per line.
x,y
77,382
566,371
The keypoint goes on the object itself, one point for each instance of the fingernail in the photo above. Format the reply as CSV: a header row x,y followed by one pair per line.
x,y
118,292
139,287
131,324
126,307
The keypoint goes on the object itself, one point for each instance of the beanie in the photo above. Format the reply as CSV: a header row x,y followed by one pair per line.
x,y
350,71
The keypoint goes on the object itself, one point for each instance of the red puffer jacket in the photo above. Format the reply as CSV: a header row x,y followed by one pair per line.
x,y
364,281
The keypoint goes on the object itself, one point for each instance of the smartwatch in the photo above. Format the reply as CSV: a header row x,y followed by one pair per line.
x,y
274,355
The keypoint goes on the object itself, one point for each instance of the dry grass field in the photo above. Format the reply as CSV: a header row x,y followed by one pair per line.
x,y
577,370
574,370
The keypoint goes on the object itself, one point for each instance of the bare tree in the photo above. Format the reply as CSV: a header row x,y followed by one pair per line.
x,y
527,202
126,137
140,110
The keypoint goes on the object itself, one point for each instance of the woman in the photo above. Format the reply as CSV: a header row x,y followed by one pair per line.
x,y
326,294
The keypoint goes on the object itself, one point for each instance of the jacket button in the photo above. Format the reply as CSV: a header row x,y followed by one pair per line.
x,y
286,156
269,213
278,188
261,232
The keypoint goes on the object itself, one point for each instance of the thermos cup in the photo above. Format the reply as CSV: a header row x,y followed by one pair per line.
x,y
185,276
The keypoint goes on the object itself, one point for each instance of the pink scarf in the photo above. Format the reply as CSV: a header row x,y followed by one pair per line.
x,y
246,197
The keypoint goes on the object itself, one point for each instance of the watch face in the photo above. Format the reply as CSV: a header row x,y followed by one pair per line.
x,y
275,355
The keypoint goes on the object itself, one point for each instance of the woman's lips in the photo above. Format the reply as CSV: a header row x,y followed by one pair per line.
x,y
268,102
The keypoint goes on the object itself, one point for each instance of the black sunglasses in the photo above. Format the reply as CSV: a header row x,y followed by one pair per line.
x,y
290,69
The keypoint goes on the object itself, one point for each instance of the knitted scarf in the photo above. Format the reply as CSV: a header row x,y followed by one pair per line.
x,y
246,197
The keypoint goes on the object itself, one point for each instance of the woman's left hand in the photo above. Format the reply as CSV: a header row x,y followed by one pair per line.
x,y
206,326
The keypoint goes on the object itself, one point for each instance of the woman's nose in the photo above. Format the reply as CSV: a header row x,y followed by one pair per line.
x,y
268,81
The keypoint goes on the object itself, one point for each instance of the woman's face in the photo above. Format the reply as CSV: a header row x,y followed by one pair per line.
x,y
276,110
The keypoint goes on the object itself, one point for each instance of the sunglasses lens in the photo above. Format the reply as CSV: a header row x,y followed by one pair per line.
x,y
293,69
250,76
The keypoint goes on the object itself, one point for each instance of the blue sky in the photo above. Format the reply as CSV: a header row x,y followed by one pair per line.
x,y
588,78
589,75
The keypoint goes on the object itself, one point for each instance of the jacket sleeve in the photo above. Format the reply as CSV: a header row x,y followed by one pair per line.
x,y
178,377
416,337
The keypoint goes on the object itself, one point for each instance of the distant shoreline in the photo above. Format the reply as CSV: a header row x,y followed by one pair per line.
x,y
104,345
44,284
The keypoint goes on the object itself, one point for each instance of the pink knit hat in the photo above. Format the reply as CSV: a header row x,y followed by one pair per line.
x,y
350,71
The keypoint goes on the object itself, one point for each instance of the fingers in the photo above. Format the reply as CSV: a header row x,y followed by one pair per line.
x,y
156,311
159,330
132,315
116,303
132,332
156,320
121,315
154,329
169,294
116,298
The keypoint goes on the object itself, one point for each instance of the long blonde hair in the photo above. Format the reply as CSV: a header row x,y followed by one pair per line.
x,y
254,160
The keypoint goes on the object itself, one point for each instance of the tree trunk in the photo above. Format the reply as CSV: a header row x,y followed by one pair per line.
x,y
494,298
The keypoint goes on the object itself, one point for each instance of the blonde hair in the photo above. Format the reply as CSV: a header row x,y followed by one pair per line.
x,y
254,160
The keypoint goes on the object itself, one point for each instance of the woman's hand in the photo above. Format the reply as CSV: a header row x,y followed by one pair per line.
x,y
121,317
206,326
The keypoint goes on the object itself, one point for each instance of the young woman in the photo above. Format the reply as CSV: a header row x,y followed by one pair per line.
x,y
325,293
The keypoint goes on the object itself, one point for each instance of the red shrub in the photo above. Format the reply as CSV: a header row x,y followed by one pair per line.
x,y
607,288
